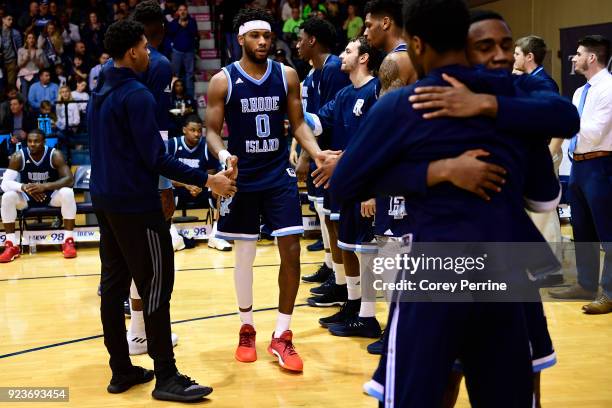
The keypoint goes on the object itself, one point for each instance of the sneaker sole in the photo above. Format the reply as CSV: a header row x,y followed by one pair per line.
x,y
126,387
244,360
330,304
354,334
221,249
281,362
12,259
168,396
70,256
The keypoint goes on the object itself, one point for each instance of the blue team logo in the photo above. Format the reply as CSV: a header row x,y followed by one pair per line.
x,y
397,207
224,206
357,108
291,172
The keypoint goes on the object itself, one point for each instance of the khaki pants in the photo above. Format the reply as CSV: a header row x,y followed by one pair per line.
x,y
11,72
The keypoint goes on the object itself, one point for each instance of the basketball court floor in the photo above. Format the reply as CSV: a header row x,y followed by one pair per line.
x,y
51,336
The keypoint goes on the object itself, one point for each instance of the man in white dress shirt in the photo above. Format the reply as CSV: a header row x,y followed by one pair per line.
x,y
590,185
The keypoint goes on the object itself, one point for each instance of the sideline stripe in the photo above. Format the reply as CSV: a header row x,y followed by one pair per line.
x,y
97,274
194,319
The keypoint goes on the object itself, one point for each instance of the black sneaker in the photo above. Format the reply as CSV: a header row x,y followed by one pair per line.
x,y
180,388
99,290
357,327
316,246
320,276
550,280
326,286
126,308
336,297
122,382
376,348
348,310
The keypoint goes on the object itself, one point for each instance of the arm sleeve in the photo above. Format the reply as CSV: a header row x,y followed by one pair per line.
x,y
150,145
326,115
545,113
9,181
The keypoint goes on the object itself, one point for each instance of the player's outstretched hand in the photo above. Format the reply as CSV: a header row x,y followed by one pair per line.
x,y
326,163
231,167
368,208
456,100
222,184
471,173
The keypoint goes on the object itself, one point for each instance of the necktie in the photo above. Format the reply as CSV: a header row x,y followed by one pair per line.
x,y
574,140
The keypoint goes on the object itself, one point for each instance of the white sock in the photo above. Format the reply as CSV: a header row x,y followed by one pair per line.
x,y
246,317
368,293
137,326
213,232
353,286
11,237
68,234
282,324
243,277
328,260
339,272
324,230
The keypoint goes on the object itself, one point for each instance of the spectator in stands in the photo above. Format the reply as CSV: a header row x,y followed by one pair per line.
x,y
78,72
281,56
70,32
27,19
53,10
287,9
170,10
183,32
81,93
18,123
311,9
43,18
73,13
74,118
353,24
95,71
52,43
44,90
185,105
9,93
30,60
93,35
291,28
81,51
99,8
60,75
11,43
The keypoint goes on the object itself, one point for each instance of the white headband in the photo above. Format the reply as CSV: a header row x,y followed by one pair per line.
x,y
254,25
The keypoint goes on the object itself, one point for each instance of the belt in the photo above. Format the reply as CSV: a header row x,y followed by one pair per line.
x,y
590,155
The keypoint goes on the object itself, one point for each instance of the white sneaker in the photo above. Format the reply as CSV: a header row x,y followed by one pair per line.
x,y
177,241
138,345
219,244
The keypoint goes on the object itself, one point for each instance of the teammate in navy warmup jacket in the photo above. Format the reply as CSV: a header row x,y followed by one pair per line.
x,y
415,138
254,95
127,158
316,38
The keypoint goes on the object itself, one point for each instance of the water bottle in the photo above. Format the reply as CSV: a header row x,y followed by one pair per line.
x,y
32,246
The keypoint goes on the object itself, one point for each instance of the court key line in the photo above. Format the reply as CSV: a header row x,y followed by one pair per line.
x,y
97,274
193,319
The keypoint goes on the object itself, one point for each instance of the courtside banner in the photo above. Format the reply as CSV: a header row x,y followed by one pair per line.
x,y
408,271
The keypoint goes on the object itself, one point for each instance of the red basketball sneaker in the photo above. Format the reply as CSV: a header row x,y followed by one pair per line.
x,y
284,350
246,351
10,252
68,248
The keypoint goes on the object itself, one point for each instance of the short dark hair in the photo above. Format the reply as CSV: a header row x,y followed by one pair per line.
x,y
388,8
250,14
533,44
121,36
598,45
322,30
43,70
481,15
148,12
192,119
375,56
442,24
18,98
37,132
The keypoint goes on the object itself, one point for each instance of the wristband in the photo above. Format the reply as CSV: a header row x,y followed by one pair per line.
x,y
223,156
